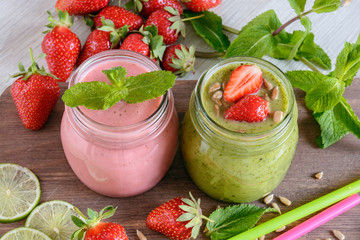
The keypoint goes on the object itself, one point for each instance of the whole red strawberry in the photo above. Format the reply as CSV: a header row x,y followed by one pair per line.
x,y
80,7
35,94
168,23
120,17
172,217
251,108
134,42
146,7
96,230
101,39
200,5
179,59
61,46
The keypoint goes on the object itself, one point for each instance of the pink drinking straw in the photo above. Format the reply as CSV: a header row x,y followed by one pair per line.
x,y
320,218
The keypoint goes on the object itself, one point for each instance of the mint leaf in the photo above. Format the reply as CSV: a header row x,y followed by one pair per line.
x,y
332,130
314,53
321,6
298,5
305,80
233,220
346,115
148,85
325,95
288,50
255,41
348,62
209,28
255,38
91,95
115,96
116,75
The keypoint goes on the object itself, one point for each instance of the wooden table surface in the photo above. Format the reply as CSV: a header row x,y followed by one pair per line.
x,y
22,22
42,152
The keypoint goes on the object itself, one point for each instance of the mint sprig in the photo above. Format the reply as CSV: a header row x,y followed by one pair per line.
x,y
324,95
98,95
230,221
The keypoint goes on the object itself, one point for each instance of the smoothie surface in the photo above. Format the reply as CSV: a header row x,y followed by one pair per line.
x,y
122,113
223,75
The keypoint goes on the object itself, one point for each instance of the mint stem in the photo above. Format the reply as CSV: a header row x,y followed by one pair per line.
x,y
193,18
277,31
231,30
209,54
309,64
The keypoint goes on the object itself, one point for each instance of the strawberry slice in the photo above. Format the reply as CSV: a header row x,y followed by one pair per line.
x,y
251,108
244,80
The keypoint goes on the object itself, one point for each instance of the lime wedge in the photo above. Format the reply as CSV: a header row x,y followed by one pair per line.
x,y
24,233
54,219
19,192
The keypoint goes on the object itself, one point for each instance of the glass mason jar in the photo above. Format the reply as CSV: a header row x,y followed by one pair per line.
x,y
232,166
120,160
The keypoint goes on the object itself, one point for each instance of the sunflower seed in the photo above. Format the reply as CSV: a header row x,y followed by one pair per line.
x,y
280,229
278,116
285,201
140,235
217,109
319,175
262,238
276,206
268,198
266,97
214,87
268,85
339,235
275,93
223,85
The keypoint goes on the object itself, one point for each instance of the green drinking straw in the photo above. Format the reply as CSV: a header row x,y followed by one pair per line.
x,y
299,212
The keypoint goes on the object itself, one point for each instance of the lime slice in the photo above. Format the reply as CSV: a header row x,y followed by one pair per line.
x,y
24,233
19,192
54,219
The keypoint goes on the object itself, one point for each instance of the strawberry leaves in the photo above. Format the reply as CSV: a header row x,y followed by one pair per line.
x,y
100,95
209,27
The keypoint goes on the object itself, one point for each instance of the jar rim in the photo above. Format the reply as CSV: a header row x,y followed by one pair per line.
x,y
119,54
212,124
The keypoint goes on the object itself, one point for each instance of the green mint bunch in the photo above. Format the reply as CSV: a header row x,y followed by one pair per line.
x,y
324,95
265,35
101,95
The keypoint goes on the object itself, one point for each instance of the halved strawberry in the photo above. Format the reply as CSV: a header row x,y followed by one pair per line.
x,y
244,80
251,108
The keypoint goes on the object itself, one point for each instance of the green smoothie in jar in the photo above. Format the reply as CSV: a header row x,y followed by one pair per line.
x,y
236,160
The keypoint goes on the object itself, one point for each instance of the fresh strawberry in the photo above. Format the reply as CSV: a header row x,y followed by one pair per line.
x,y
179,59
80,7
35,94
134,42
244,80
146,7
120,16
168,22
101,39
96,230
251,108
200,5
61,46
172,218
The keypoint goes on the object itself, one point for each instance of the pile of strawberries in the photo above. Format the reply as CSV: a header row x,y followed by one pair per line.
x,y
152,32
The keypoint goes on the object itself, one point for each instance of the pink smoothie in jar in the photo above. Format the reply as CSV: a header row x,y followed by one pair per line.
x,y
126,149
